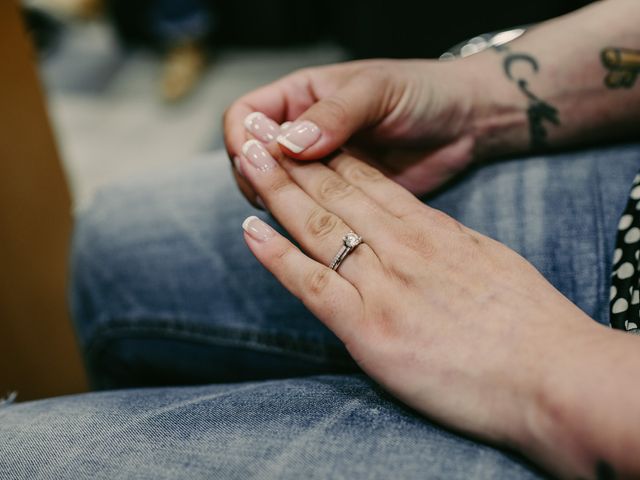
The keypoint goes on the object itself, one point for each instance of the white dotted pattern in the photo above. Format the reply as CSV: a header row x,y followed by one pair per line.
x,y
624,295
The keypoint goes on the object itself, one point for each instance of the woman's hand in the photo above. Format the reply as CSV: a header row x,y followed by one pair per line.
x,y
410,119
451,322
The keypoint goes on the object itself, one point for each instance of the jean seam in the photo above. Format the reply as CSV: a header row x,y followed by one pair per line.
x,y
306,349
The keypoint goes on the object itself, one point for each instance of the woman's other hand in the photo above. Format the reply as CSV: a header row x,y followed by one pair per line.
x,y
410,119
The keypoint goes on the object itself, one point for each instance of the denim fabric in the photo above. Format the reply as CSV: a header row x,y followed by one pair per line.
x,y
166,292
328,427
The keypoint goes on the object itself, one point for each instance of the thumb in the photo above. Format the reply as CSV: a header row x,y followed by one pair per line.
x,y
329,123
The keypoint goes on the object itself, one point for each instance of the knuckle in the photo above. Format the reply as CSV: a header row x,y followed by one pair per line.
x,y
321,223
362,171
333,187
337,109
279,185
473,237
281,256
317,281
418,241
444,220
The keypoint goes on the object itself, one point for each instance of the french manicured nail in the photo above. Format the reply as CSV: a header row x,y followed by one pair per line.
x,y
285,126
258,156
261,126
238,165
257,229
300,136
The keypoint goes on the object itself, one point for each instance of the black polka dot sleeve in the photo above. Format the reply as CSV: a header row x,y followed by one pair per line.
x,y
625,278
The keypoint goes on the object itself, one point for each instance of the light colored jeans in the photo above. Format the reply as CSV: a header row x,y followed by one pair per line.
x,y
166,293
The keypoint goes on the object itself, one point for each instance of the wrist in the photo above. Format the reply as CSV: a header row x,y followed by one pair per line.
x,y
498,120
568,427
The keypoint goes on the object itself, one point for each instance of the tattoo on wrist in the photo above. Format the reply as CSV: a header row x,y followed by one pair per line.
x,y
623,67
538,111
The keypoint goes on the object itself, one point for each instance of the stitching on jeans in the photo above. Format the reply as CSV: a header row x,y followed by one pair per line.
x,y
279,343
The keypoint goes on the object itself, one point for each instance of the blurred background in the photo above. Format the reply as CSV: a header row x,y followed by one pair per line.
x,y
139,84
91,90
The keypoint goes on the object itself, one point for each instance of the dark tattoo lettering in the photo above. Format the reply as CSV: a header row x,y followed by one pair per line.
x,y
623,65
538,111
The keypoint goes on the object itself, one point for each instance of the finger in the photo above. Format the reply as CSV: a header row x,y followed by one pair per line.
x,y
319,232
332,192
257,127
280,101
261,127
329,123
393,197
326,294
244,186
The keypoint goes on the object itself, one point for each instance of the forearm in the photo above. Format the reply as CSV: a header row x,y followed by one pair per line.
x,y
587,421
553,89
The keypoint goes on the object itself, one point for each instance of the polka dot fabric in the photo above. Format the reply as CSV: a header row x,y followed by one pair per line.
x,y
625,279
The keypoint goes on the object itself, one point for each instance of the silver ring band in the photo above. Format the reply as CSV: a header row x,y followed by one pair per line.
x,y
349,243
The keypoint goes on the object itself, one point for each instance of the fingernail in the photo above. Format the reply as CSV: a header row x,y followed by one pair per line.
x,y
285,125
238,165
300,136
261,126
258,156
257,229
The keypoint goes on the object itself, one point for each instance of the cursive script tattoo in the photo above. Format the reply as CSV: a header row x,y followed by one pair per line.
x,y
538,111
623,65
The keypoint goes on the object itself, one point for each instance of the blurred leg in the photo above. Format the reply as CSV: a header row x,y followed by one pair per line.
x,y
319,427
166,291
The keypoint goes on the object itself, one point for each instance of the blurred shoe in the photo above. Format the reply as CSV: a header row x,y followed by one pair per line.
x,y
183,67
83,9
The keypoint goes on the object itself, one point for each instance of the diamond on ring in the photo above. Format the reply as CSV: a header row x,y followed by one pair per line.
x,y
352,240
349,242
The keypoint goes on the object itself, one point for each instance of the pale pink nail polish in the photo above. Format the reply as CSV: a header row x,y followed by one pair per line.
x,y
257,229
258,156
300,136
261,126
285,126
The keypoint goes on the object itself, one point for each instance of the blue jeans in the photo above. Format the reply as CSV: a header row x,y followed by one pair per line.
x,y
177,21
165,293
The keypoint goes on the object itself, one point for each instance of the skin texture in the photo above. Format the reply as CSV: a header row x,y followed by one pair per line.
x,y
401,300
